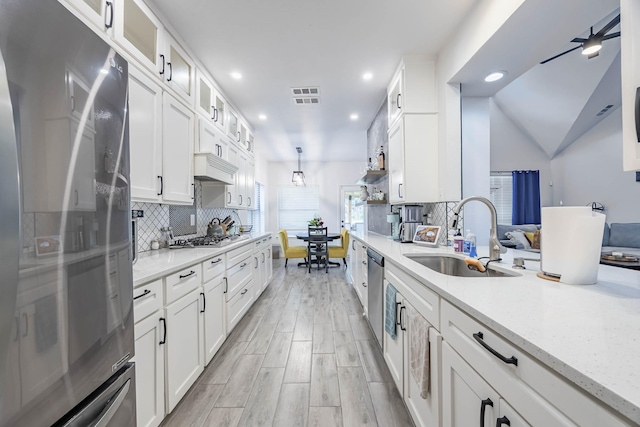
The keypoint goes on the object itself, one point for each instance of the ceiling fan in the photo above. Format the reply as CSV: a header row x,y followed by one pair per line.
x,y
591,46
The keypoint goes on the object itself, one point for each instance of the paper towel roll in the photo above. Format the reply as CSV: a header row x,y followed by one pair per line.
x,y
571,243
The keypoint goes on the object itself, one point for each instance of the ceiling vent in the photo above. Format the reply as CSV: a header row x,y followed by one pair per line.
x,y
306,95
605,109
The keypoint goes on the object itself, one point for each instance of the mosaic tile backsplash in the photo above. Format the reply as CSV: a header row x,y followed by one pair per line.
x,y
157,216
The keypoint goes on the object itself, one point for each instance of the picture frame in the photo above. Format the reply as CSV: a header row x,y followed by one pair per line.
x,y
48,245
427,235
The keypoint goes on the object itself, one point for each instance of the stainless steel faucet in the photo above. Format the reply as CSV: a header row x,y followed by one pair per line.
x,y
495,248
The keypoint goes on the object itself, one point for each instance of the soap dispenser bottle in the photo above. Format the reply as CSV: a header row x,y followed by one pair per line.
x,y
458,241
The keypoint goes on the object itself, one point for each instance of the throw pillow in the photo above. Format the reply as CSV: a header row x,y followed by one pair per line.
x,y
529,236
518,237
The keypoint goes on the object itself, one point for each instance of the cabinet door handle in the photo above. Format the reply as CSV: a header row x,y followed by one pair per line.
x,y
170,71
364,262
483,407
193,194
73,103
353,245
238,136
204,302
17,321
364,284
161,185
145,293
397,317
229,193
398,98
164,334
110,7
191,273
216,261
402,310
399,186
256,259
243,292
26,324
76,192
637,114
503,420
269,250
263,257
240,195
248,200
226,285
243,265
480,338
215,114
162,70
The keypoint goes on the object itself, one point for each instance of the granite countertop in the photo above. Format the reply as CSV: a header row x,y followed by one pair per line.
x,y
153,265
589,334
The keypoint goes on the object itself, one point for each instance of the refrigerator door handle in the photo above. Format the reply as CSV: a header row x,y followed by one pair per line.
x,y
113,406
9,212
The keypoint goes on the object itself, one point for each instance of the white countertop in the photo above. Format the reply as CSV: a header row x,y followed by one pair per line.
x,y
588,334
153,265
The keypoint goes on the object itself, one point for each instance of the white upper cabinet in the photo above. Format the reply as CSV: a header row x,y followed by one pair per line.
x,y
178,130
243,136
220,111
139,32
234,126
250,143
211,140
630,40
204,96
177,69
412,90
99,13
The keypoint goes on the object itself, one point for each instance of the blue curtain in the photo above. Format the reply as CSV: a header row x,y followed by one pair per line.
x,y
526,197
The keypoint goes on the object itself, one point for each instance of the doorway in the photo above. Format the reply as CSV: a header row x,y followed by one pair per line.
x,y
352,209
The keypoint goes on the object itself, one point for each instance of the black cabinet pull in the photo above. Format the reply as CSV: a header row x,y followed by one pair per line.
x,y
26,324
503,420
226,285
216,261
146,292
398,98
256,258
240,195
402,309
483,407
215,114
238,136
263,257
397,317
161,185
243,292
193,194
191,273
17,320
204,302
511,360
364,285
637,111
243,265
229,193
164,335
162,71
110,24
170,71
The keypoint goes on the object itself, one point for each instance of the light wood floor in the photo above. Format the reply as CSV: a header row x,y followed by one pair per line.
x,y
302,356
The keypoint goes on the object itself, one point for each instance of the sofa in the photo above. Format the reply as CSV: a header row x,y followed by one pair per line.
x,y
618,237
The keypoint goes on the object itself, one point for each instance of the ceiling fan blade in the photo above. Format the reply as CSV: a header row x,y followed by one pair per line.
x,y
578,40
560,54
611,36
615,21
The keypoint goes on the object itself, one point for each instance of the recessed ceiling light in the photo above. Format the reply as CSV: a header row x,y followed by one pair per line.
x,y
353,117
367,76
496,75
262,117
236,75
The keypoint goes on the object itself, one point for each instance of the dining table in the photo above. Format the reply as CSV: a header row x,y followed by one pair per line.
x,y
330,237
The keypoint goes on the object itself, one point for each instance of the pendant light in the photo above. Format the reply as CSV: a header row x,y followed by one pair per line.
x,y
298,176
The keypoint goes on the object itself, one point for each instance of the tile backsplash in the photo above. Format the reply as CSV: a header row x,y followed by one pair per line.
x,y
179,218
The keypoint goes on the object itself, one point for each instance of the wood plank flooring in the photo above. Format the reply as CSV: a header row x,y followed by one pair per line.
x,y
302,356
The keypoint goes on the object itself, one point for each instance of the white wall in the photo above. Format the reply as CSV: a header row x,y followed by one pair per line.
x,y
591,170
327,175
511,149
476,148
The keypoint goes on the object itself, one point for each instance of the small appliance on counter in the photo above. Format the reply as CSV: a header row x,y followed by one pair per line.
x,y
394,220
411,218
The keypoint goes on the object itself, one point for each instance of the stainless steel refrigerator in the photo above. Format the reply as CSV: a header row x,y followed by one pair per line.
x,y
66,307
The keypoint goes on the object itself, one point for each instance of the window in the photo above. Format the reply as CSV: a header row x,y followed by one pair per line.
x,y
501,184
258,215
296,206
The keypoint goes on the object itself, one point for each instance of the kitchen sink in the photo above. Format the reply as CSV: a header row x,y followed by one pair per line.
x,y
454,266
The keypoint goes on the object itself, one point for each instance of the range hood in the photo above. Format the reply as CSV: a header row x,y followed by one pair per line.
x,y
209,167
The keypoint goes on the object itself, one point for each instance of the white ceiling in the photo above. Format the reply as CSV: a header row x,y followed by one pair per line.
x,y
279,44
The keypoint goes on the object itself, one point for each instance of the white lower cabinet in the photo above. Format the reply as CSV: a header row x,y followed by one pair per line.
x,y
149,345
214,318
184,351
239,305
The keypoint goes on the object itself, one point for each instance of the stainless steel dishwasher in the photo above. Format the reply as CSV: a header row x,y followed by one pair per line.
x,y
375,273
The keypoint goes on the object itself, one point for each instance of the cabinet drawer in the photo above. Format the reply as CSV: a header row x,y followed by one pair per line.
x,y
541,396
181,283
147,299
239,254
419,296
213,267
238,276
238,305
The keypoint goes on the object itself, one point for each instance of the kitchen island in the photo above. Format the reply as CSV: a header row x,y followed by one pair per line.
x,y
587,336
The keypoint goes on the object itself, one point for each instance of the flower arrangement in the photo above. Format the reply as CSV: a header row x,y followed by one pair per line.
x,y
316,222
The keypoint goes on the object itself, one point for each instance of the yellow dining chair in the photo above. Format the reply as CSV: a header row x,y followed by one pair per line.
x,y
341,251
291,251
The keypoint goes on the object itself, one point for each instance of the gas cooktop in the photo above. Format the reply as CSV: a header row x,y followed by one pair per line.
x,y
201,241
